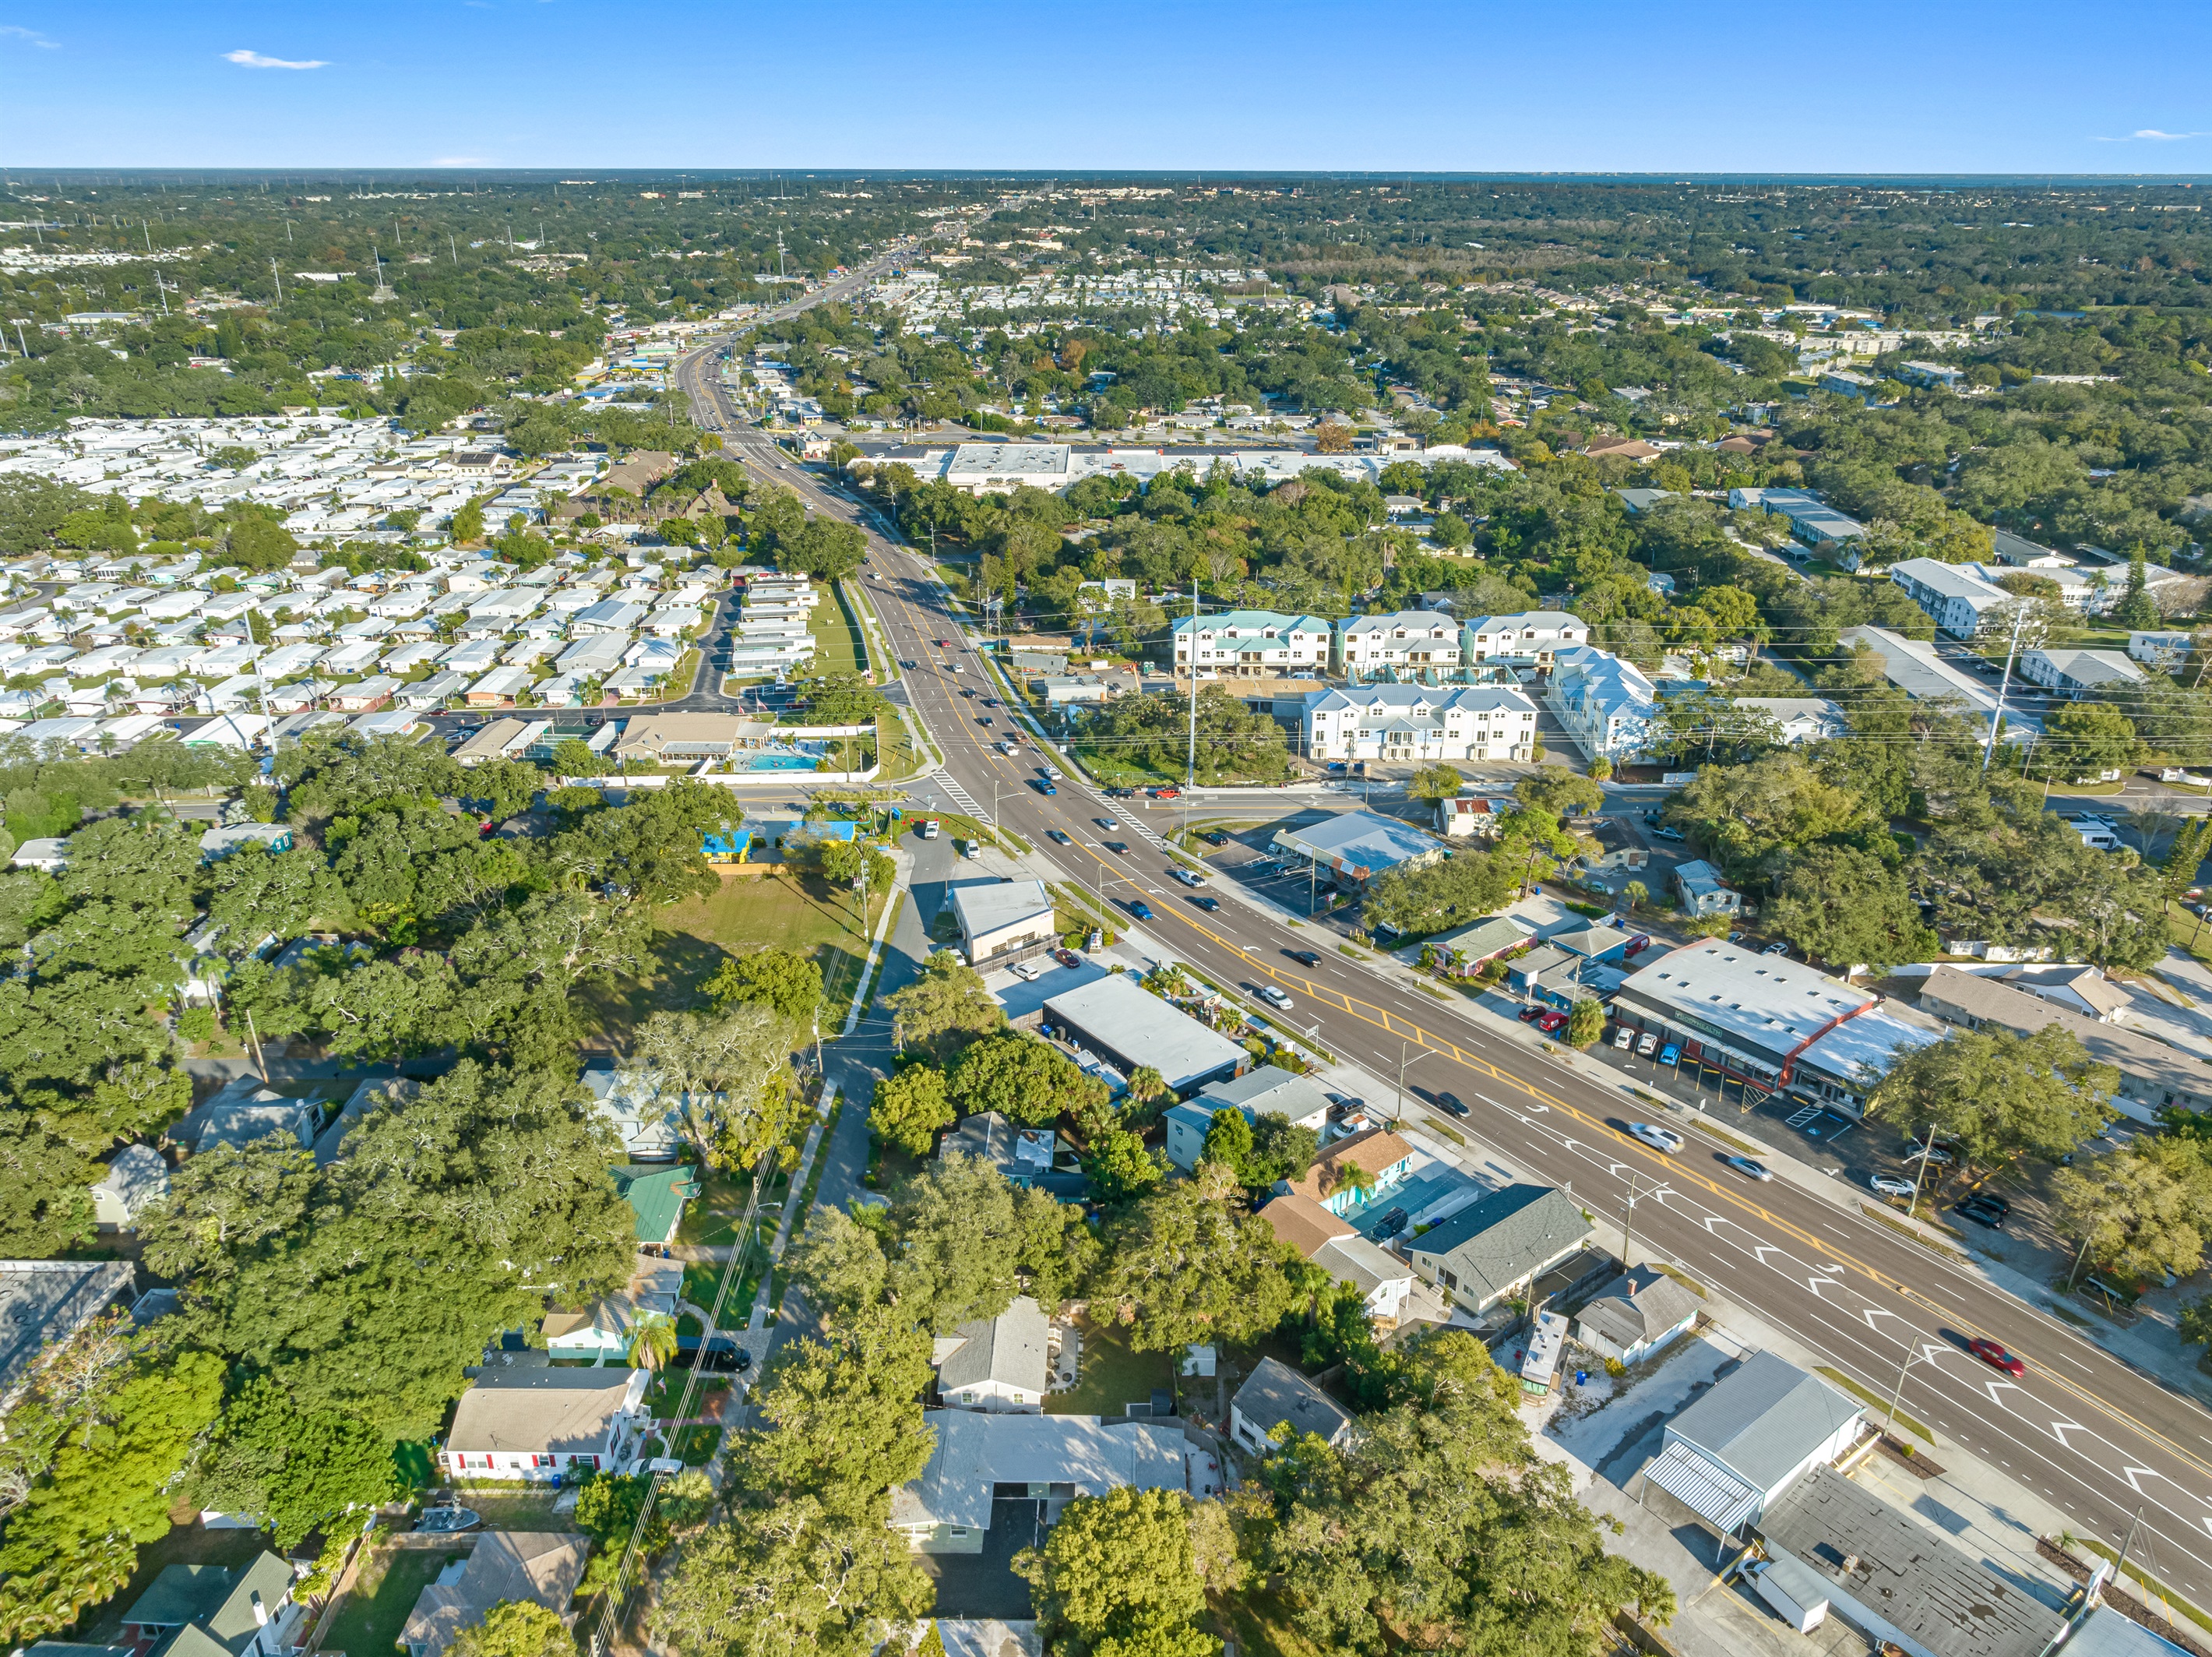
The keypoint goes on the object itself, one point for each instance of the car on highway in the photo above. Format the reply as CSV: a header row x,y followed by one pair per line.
x,y
1647,1044
1452,1103
1889,1185
1119,848
1304,957
1659,1138
992,701
1274,997
1750,1167
1043,787
1140,909
1106,823
1058,837
1186,877
1990,1353
983,719
1167,794
1209,905
942,644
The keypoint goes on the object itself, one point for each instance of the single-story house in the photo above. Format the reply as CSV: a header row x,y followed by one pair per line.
x,y
542,1567
537,1425
1336,1246
1635,1315
136,1176
647,1117
1699,886
656,1197
1047,1460
218,843
48,1300
1377,1153
244,1111
1277,1396
1738,1448
215,1610
1264,1090
1494,1247
1032,1159
1465,950
996,1363
1464,817
604,1331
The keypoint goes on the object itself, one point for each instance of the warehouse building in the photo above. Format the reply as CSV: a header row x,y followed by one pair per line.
x,y
1126,1027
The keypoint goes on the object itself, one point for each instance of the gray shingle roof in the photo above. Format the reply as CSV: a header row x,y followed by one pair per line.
x,y
1009,1349
1507,1236
1277,1393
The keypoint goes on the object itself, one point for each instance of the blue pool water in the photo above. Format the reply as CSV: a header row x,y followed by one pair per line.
x,y
781,762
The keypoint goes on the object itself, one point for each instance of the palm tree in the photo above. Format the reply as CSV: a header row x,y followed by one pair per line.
x,y
652,1340
1350,1176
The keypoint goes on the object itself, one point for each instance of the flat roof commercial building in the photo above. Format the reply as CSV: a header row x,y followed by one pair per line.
x,y
1002,922
1126,1025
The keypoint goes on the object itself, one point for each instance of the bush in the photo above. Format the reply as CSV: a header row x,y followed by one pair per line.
x,y
195,1024
1615,1368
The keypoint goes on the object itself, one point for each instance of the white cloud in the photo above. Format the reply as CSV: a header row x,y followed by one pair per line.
x,y
255,60
2152,135
29,36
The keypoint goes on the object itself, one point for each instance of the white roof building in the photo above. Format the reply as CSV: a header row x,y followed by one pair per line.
x,y
1414,723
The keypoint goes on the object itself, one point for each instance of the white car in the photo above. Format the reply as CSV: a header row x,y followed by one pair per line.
x,y
1660,1139
1274,997
1889,1185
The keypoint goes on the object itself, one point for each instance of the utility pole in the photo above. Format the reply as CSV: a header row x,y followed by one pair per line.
x,y
1927,1155
278,280
1190,773
1628,1225
1889,1417
2128,1543
2004,684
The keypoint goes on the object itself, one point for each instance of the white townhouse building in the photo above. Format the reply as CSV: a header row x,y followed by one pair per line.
x,y
1605,703
1413,724
1407,639
1534,637
2077,674
1957,596
1249,643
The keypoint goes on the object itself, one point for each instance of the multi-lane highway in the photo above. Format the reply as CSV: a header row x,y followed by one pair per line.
x,y
2081,1428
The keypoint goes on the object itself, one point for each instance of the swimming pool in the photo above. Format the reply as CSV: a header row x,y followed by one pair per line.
x,y
781,762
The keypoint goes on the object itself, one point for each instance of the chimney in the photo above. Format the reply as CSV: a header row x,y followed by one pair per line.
x,y
1631,1285
260,1611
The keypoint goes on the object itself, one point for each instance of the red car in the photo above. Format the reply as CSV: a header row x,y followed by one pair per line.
x,y
1167,794
1995,1356
1551,1023
1530,1014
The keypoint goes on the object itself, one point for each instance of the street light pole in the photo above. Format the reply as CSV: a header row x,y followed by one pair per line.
x,y
1889,1416
1398,1114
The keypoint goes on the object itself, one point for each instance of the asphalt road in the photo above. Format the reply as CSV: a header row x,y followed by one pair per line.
x,y
2081,1428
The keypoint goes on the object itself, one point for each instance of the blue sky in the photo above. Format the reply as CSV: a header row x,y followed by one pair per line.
x,y
1944,87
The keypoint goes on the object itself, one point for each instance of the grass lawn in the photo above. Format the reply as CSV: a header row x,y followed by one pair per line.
x,y
1110,1377
509,1508
837,647
375,1608
695,1446
712,1216
2189,934
789,911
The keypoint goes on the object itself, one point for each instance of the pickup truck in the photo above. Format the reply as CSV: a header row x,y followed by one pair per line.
x,y
929,828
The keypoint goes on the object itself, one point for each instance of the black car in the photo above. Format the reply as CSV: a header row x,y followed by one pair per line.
x,y
722,1358
1989,1199
1980,1213
1209,905
1304,957
1451,1102
1215,838
1392,1223
1119,848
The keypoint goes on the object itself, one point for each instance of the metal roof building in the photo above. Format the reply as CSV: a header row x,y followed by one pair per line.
x,y
1128,1027
1358,845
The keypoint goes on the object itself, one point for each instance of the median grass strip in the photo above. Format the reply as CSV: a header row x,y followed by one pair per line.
x,y
1874,1401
